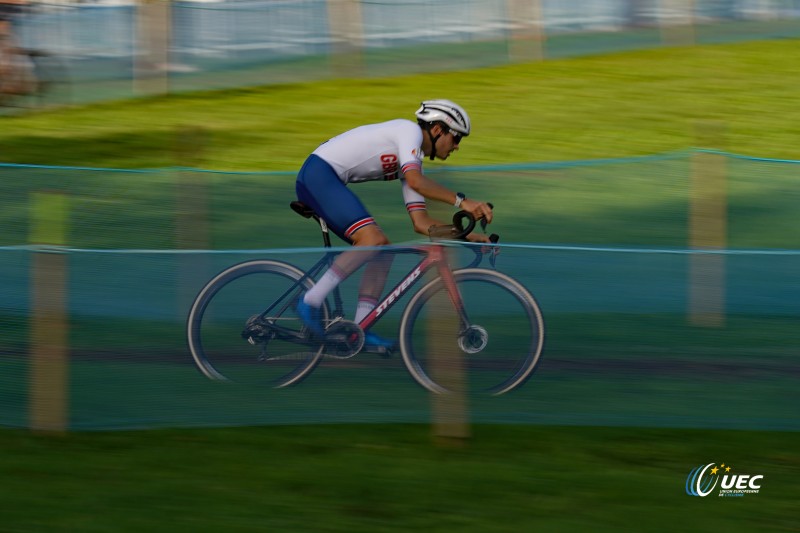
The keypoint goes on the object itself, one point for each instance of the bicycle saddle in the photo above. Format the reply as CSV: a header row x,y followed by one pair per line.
x,y
302,209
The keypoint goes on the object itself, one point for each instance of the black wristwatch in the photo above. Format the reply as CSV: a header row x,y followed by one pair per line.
x,y
460,197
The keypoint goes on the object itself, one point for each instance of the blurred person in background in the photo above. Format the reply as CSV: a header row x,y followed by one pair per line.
x,y
385,151
17,75
635,13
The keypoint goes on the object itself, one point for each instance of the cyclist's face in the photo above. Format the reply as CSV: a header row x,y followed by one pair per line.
x,y
447,144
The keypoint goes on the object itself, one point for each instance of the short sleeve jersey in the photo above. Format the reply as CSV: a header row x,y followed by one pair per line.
x,y
383,151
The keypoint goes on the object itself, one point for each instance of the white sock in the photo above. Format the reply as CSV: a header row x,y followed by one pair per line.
x,y
365,306
317,294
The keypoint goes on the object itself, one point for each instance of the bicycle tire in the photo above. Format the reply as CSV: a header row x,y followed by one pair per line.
x,y
499,350
220,311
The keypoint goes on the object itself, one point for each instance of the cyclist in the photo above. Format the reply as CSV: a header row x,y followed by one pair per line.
x,y
386,151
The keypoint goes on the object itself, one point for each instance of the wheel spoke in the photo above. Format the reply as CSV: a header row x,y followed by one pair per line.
x,y
230,337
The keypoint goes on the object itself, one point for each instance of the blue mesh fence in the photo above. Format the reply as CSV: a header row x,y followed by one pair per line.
x,y
614,284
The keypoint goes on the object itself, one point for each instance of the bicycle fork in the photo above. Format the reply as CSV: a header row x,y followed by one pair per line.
x,y
450,287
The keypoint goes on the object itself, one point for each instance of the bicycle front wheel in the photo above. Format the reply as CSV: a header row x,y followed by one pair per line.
x,y
492,345
243,326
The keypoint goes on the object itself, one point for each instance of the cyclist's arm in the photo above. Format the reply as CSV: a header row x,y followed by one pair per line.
x,y
434,191
429,188
422,221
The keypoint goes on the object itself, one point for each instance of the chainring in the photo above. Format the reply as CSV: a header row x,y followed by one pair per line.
x,y
343,339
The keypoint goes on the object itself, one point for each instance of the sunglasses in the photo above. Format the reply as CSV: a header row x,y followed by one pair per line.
x,y
456,137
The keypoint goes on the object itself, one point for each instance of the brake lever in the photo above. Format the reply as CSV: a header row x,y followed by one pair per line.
x,y
483,220
494,238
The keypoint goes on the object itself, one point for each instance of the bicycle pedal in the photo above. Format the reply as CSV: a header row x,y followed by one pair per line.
x,y
382,351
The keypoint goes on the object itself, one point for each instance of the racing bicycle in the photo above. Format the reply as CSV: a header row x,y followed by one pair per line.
x,y
243,324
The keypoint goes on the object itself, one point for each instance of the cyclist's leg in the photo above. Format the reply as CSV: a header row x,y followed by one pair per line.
x,y
372,284
320,188
369,236
373,281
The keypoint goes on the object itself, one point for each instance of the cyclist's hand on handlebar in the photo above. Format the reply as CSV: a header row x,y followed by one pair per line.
x,y
479,210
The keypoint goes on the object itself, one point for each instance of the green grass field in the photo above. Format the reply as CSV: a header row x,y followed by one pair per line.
x,y
596,107
394,477
391,478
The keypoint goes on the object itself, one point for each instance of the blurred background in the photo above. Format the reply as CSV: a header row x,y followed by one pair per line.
x,y
115,49
643,161
692,248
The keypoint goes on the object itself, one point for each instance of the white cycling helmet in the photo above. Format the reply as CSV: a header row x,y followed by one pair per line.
x,y
450,113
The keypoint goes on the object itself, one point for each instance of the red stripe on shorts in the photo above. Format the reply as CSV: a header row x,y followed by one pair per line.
x,y
358,225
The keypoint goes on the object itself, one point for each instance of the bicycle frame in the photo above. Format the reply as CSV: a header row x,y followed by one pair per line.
x,y
434,257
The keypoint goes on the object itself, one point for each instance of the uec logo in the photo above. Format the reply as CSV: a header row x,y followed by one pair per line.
x,y
703,479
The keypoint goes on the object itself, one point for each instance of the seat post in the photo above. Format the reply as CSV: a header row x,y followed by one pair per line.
x,y
326,236
306,212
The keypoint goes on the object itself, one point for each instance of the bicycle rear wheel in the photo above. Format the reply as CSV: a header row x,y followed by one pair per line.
x,y
275,349
498,347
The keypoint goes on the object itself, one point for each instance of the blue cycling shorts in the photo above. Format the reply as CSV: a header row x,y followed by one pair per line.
x,y
320,188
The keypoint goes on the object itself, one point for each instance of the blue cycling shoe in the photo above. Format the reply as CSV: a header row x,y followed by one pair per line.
x,y
376,344
311,317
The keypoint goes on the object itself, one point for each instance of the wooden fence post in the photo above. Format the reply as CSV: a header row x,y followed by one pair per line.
x,y
708,226
450,412
192,227
153,30
347,36
49,329
679,31
527,36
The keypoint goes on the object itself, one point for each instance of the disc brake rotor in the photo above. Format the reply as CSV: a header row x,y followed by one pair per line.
x,y
473,339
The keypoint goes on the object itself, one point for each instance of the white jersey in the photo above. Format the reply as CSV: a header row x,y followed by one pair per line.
x,y
384,151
